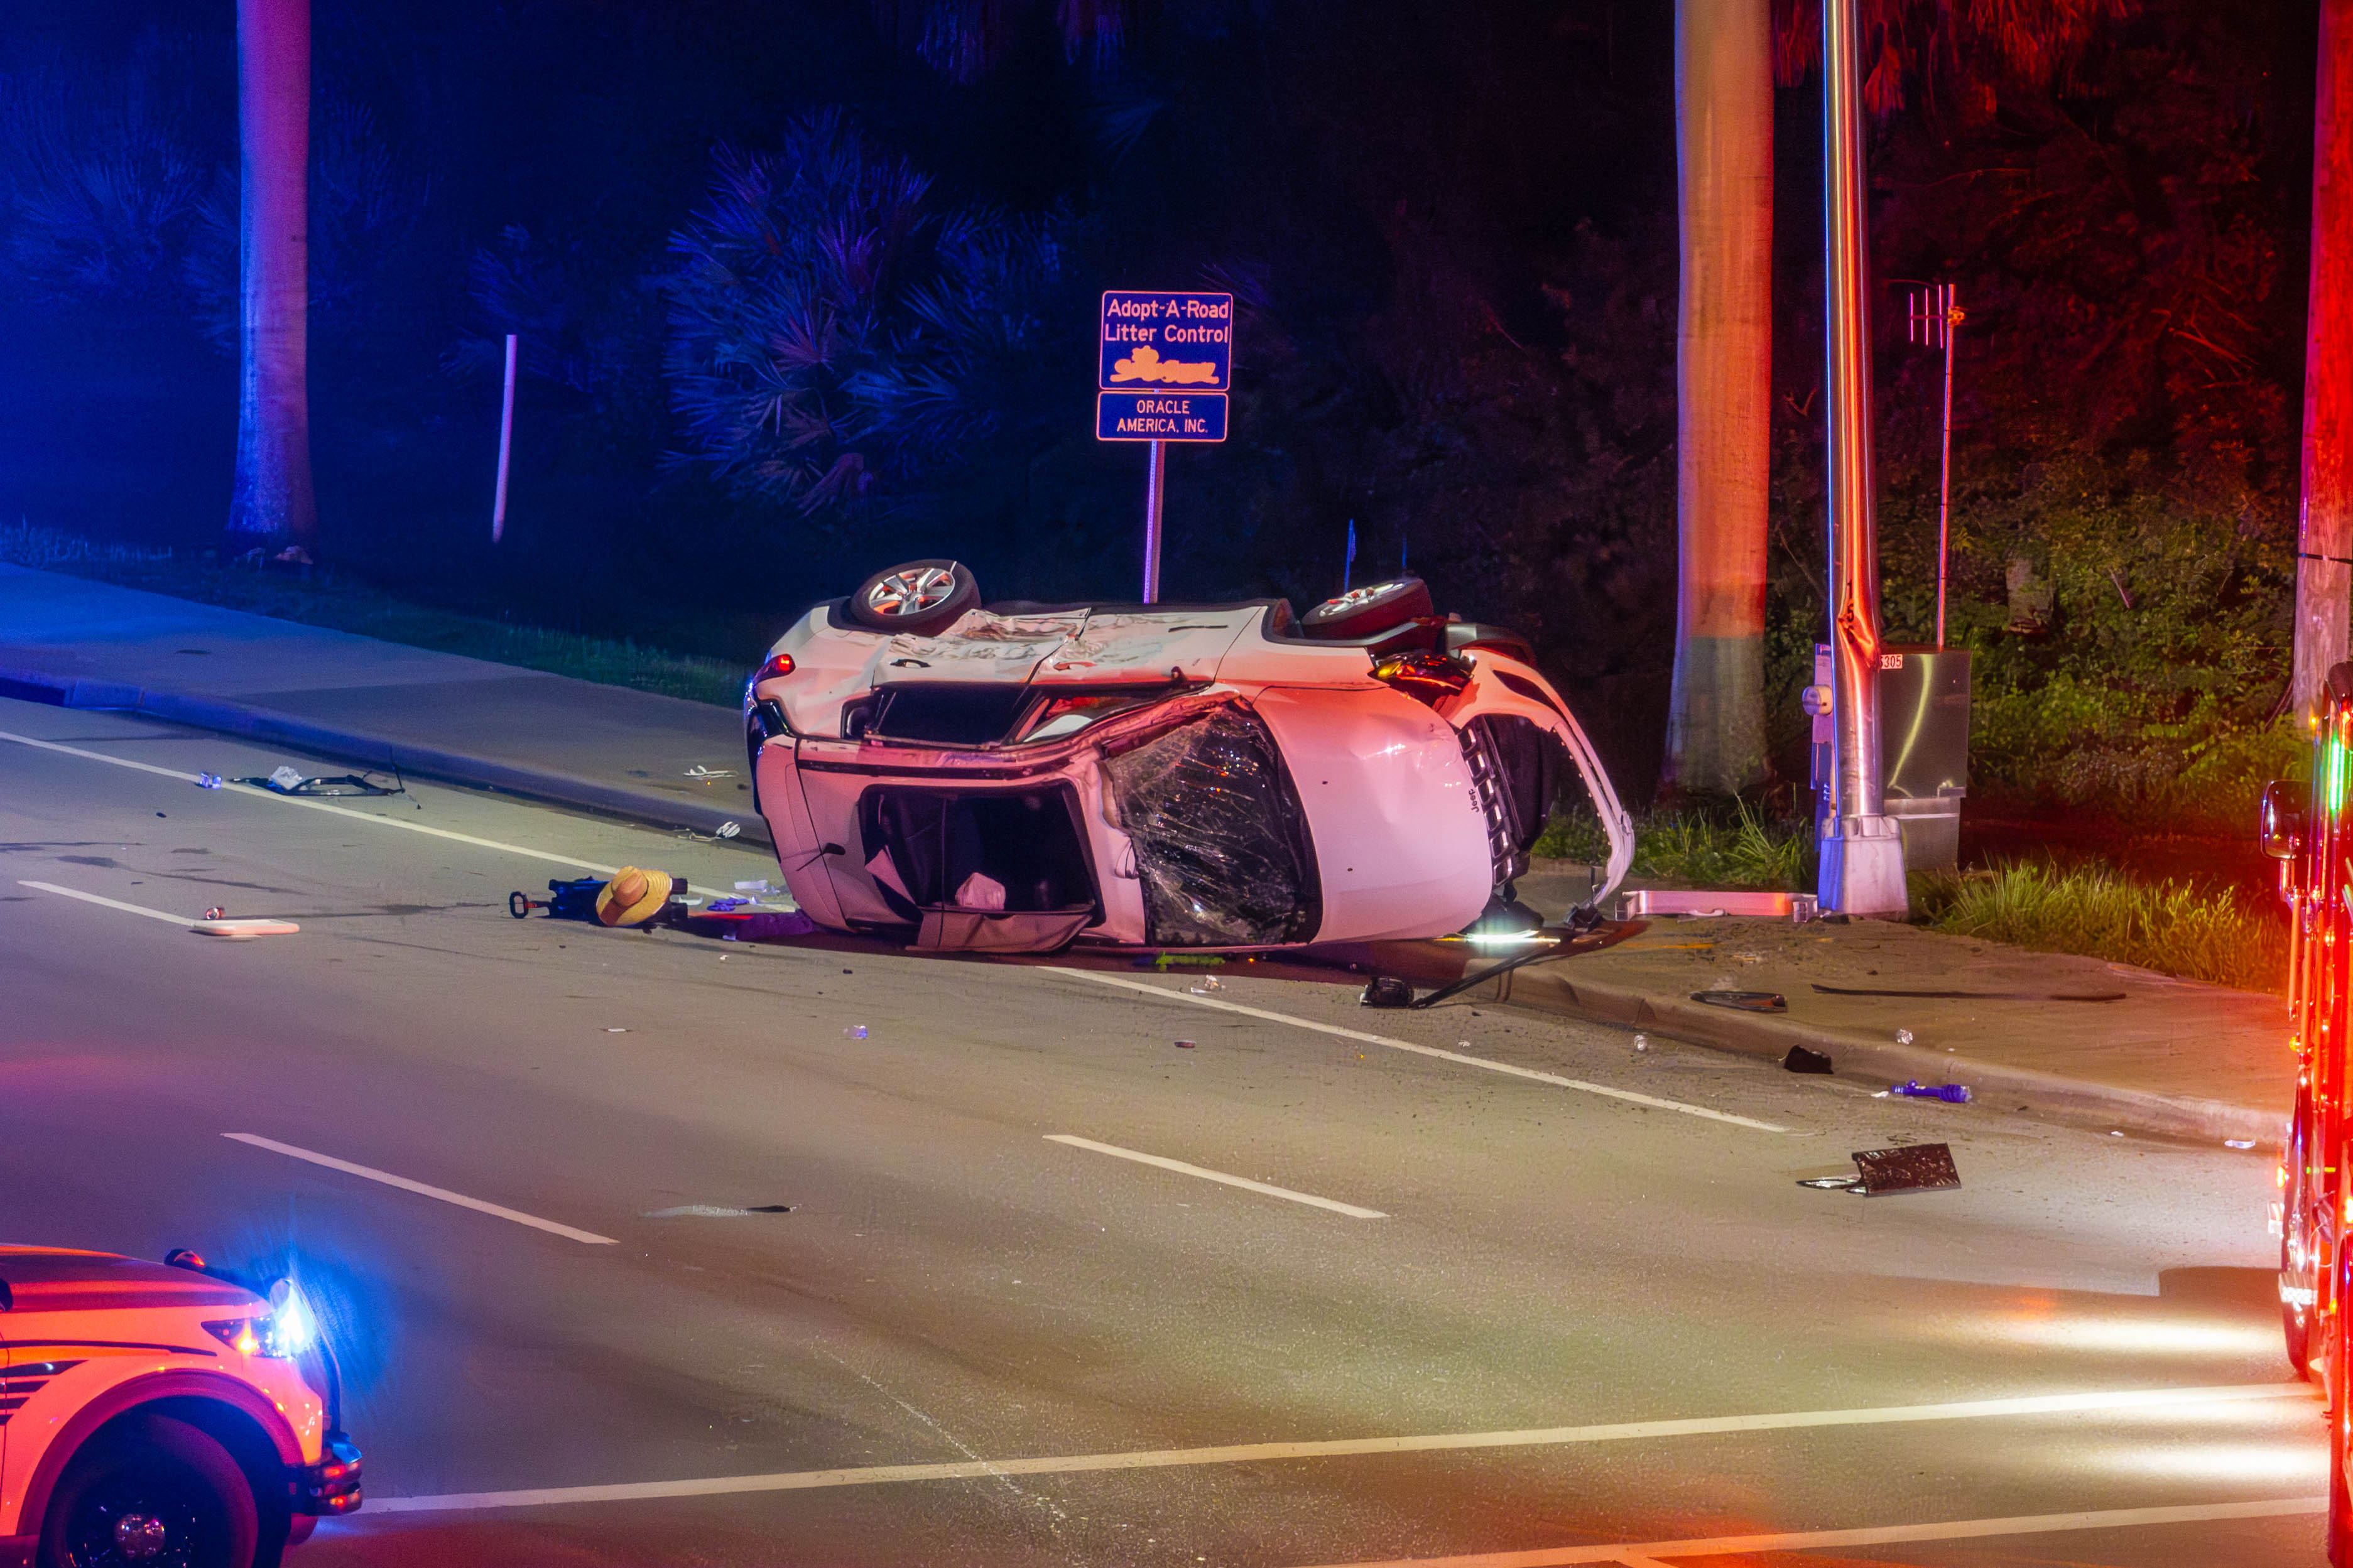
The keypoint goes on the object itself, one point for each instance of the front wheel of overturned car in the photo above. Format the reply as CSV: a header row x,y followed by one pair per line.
x,y
155,1492
920,598
1362,612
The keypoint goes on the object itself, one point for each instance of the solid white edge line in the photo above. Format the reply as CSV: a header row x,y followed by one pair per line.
x,y
1650,1551
1251,1453
109,903
247,790
1351,1210
421,1189
1626,1094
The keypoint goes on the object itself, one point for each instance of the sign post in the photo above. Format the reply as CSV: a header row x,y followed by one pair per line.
x,y
1165,366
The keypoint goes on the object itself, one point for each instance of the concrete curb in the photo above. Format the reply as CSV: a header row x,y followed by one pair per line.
x,y
233,717
1549,988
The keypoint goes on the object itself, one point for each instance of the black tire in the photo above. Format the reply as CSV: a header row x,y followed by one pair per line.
x,y
1362,612
919,597
165,1472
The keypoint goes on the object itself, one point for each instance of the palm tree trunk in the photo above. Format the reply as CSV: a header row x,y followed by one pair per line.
x,y
2326,533
272,503
1724,361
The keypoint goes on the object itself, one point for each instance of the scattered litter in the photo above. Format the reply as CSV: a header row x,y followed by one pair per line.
x,y
1182,960
1208,983
721,906
1748,958
208,780
1913,1088
2114,1133
216,912
1903,1037
244,930
856,1031
729,829
1744,1001
1184,1046
159,814
2238,1142
1385,990
1641,1044
617,1031
1800,1060
712,1211
707,774
290,780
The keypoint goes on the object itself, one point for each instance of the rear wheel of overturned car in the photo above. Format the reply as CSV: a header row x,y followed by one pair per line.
x,y
920,598
1361,612
155,1491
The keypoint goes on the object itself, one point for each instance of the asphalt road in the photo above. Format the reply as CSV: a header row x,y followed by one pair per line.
x,y
969,1342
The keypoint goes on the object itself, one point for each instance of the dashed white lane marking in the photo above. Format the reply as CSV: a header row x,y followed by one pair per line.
x,y
406,1185
1351,1210
1648,1553
2159,1399
251,793
109,903
1651,1100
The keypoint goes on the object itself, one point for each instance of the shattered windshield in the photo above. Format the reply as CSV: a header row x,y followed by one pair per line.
x,y
1221,846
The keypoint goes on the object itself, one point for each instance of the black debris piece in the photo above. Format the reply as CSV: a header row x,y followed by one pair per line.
x,y
1385,990
1800,1060
1744,1001
1915,1167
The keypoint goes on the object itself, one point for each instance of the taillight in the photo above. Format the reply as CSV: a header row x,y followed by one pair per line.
x,y
778,664
1425,676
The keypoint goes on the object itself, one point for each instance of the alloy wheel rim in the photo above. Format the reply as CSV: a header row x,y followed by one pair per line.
x,y
911,593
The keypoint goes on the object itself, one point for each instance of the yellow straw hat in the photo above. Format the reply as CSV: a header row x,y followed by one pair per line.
x,y
632,897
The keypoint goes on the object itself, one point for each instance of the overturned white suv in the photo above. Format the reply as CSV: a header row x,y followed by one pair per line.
x,y
161,1414
1020,777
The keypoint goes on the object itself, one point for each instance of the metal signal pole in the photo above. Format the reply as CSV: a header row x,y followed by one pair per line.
x,y
1156,490
1861,846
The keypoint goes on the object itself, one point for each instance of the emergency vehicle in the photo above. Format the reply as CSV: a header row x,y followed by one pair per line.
x,y
164,1414
2305,827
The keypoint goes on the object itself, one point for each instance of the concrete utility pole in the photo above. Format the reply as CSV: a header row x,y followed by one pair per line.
x,y
270,502
1723,393
2324,532
1862,847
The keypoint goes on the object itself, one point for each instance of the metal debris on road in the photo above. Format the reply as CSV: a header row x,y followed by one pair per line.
x,y
1909,1168
1744,1001
706,774
1641,1044
1903,1037
712,1211
291,781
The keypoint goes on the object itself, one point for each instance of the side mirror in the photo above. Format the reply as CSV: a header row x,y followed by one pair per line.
x,y
2280,832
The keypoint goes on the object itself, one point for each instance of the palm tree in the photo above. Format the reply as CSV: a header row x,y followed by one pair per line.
x,y
270,505
1727,55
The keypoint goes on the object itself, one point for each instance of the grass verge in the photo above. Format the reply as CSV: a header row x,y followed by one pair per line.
x,y
327,599
2181,928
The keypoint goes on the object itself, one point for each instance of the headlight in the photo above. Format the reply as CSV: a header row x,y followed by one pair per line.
x,y
288,1331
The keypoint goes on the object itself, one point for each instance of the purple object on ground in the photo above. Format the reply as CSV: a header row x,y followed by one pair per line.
x,y
1952,1093
771,923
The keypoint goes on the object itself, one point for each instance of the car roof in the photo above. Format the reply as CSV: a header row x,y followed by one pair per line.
x,y
61,1280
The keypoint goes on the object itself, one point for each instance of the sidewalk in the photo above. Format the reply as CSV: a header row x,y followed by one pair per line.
x,y
601,748
2157,1054
2160,1055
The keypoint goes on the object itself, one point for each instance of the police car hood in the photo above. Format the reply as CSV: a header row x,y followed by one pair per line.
x,y
54,1279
